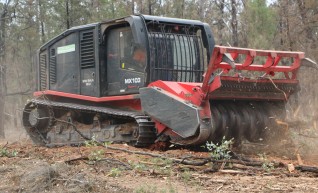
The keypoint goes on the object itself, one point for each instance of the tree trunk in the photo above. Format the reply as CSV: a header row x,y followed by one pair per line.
x,y
220,25
43,39
149,7
201,9
281,25
234,22
302,11
3,15
2,100
133,6
113,8
182,9
307,23
140,6
68,25
286,12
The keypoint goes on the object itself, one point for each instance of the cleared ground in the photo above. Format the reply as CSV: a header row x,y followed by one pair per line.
x,y
26,168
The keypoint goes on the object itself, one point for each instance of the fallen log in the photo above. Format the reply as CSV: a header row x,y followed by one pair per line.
x,y
76,159
246,167
304,168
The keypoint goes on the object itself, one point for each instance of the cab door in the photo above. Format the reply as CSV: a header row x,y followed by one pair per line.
x,y
125,61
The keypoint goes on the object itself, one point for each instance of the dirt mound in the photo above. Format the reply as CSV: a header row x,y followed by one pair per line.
x,y
38,178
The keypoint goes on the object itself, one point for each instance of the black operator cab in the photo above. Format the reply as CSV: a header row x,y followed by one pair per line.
x,y
118,57
124,55
69,62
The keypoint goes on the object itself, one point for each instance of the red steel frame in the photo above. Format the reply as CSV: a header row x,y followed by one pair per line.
x,y
86,98
126,101
270,67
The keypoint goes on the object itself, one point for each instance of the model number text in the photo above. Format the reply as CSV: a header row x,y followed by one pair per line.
x,y
132,80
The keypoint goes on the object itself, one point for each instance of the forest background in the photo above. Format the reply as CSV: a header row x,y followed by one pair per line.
x,y
276,24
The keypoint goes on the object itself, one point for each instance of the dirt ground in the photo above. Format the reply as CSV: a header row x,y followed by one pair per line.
x,y
27,168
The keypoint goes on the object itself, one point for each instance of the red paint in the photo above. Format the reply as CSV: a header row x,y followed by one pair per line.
x,y
133,104
87,98
269,67
125,101
160,127
187,93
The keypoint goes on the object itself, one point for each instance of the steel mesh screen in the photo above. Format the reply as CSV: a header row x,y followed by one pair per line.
x,y
176,56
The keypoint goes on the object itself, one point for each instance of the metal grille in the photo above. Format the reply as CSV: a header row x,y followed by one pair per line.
x,y
87,49
53,67
43,74
176,57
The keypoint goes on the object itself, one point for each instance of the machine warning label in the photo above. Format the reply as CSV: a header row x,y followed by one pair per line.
x,y
132,80
88,82
66,49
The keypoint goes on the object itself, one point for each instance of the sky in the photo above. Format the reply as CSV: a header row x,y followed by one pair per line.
x,y
268,2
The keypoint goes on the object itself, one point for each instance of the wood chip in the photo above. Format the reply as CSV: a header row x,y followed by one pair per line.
x,y
291,168
231,171
300,161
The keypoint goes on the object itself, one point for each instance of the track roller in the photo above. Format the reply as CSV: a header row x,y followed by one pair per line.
x,y
37,119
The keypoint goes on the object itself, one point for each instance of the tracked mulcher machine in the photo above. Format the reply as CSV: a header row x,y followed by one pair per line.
x,y
142,79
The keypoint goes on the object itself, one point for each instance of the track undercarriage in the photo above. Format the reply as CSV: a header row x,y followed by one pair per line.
x,y
55,123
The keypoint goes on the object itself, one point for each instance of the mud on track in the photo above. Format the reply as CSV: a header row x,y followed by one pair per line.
x,y
97,169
